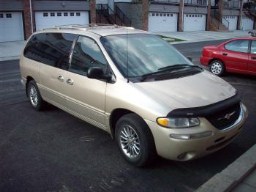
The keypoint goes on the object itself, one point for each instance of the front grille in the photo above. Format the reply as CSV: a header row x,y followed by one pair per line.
x,y
225,118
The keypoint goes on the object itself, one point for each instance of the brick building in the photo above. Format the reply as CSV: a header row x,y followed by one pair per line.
x,y
19,18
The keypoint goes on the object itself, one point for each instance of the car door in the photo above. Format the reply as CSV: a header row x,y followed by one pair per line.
x,y
235,55
85,96
252,58
56,49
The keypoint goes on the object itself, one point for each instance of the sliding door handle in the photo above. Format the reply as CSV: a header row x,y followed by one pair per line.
x,y
60,78
70,82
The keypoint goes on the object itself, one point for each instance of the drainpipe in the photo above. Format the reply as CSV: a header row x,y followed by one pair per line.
x,y
181,16
239,23
145,11
93,11
209,16
31,16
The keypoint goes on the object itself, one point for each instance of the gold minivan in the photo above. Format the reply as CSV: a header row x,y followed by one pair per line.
x,y
134,85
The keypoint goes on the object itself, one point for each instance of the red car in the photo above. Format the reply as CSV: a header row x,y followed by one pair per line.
x,y
236,55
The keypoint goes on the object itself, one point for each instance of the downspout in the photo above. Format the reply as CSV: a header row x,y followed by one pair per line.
x,y
31,16
181,16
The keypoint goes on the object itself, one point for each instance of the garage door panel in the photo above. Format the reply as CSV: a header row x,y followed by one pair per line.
x,y
247,23
230,22
57,18
11,26
194,22
162,22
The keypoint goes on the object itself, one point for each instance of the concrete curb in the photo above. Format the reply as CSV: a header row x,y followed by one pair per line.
x,y
9,58
233,175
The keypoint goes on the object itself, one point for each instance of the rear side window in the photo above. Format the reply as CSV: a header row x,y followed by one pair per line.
x,y
238,46
50,48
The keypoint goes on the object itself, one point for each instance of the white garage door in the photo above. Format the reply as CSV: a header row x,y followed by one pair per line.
x,y
194,22
162,22
247,23
230,22
11,26
57,18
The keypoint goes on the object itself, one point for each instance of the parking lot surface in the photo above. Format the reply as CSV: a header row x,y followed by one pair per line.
x,y
54,151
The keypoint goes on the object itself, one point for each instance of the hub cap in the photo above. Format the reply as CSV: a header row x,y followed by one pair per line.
x,y
216,68
130,142
33,96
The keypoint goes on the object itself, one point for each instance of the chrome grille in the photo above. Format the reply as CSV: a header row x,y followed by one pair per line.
x,y
225,118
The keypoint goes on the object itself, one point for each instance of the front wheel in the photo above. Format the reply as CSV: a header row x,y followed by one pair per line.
x,y
135,140
217,67
34,96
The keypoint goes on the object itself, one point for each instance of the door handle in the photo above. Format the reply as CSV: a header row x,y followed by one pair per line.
x,y
254,58
61,78
225,54
70,82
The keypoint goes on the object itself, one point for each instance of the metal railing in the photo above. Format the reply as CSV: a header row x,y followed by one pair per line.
x,y
220,20
113,17
186,2
225,22
234,4
125,20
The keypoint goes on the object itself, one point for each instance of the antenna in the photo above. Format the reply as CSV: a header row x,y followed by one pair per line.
x,y
127,56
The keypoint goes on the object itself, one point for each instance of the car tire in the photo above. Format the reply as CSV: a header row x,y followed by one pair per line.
x,y
34,96
217,67
135,140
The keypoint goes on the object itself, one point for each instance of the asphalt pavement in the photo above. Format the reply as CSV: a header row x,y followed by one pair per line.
x,y
240,175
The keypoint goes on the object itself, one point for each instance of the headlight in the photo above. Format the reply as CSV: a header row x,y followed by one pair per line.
x,y
178,122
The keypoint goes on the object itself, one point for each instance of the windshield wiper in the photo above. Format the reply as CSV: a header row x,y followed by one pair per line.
x,y
146,76
177,67
171,70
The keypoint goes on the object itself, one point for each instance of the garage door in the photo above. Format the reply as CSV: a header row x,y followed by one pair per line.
x,y
57,18
162,22
194,22
11,26
230,22
247,23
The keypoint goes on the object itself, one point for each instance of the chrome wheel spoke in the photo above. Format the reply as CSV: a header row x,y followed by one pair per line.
x,y
33,96
129,141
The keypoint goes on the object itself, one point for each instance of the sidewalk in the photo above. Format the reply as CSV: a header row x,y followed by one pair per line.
x,y
196,36
239,176
11,50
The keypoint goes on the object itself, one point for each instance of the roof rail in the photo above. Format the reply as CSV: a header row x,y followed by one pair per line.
x,y
85,27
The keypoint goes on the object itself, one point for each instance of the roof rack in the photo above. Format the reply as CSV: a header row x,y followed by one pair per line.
x,y
72,26
86,27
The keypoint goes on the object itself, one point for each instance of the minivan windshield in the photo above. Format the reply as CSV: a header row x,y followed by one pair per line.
x,y
140,55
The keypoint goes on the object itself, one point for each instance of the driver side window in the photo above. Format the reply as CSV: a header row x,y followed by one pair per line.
x,y
238,46
86,54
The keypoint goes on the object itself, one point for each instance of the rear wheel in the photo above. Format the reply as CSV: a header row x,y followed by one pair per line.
x,y
34,96
135,140
217,67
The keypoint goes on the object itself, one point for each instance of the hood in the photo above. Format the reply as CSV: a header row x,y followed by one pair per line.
x,y
192,91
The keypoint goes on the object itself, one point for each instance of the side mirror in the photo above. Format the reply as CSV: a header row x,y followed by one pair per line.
x,y
190,59
97,73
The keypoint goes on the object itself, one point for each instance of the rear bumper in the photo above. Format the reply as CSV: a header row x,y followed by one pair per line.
x,y
205,60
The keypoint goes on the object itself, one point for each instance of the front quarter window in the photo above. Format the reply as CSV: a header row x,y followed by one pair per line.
x,y
86,54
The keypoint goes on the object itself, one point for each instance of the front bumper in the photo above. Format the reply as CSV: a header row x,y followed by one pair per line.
x,y
190,143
